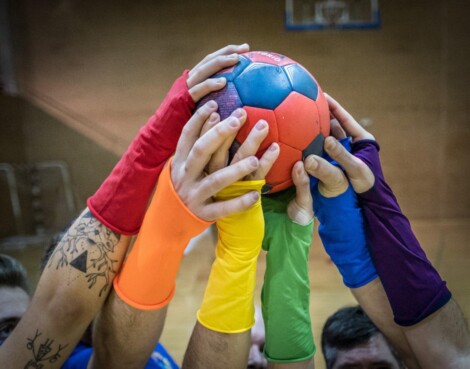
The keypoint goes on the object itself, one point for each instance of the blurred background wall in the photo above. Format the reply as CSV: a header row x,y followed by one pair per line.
x,y
91,73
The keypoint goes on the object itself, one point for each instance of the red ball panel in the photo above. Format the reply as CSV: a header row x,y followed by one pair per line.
x,y
268,58
297,120
279,177
253,116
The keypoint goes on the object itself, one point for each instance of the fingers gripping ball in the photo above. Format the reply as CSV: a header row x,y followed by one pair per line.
x,y
277,89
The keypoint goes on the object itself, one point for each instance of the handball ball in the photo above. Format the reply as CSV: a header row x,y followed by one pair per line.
x,y
275,88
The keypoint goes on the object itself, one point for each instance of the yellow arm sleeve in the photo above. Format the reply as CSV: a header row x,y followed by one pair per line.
x,y
228,301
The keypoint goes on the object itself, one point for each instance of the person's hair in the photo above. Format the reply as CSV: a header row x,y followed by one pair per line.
x,y
12,273
347,328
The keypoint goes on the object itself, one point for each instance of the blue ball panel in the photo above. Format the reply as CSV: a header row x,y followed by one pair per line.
x,y
301,81
263,85
239,67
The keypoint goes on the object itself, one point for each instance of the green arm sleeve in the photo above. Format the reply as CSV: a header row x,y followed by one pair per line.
x,y
286,290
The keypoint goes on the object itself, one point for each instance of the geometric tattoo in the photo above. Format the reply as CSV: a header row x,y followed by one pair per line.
x,y
41,353
88,247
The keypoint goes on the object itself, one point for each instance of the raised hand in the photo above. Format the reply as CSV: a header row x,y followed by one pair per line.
x,y
193,154
199,83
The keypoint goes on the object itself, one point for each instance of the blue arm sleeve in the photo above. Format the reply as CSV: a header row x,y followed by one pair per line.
x,y
342,232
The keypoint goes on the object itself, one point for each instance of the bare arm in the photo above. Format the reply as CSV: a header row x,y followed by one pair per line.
x,y
211,349
374,301
132,333
433,323
71,291
442,339
286,290
221,337
125,337
371,295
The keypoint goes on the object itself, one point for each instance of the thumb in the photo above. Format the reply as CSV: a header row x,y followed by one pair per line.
x,y
300,208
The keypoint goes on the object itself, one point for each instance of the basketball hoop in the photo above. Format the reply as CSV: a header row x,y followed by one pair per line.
x,y
331,14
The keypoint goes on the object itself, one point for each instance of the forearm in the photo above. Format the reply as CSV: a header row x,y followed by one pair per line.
x,y
406,273
374,301
442,340
130,184
147,278
208,349
227,310
72,289
433,323
125,337
286,294
286,290
343,236
308,364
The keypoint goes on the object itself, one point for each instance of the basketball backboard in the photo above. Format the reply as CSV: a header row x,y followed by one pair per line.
x,y
331,14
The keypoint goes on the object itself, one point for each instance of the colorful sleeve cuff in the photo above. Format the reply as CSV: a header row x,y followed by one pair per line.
x,y
147,278
228,305
286,290
413,286
121,201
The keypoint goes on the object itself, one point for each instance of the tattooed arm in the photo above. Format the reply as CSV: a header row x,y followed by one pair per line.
x,y
70,292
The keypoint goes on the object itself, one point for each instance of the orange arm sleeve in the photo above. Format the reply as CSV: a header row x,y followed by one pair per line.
x,y
147,278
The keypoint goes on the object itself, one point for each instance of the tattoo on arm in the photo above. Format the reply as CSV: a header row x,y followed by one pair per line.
x,y
88,247
43,352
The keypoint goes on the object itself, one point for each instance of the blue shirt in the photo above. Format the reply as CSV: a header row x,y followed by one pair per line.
x,y
79,358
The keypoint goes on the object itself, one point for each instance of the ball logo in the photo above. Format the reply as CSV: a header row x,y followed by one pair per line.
x,y
271,56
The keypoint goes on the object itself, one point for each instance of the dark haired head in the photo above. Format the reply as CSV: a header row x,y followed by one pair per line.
x,y
344,330
12,273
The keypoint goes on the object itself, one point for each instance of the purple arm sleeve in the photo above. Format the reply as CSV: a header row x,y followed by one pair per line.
x,y
412,284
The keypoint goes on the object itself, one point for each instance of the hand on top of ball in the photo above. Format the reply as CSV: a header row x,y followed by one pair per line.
x,y
193,154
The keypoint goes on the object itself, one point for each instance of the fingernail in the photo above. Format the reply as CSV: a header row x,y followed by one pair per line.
x,y
245,45
221,81
239,113
261,125
255,196
330,144
212,104
254,162
214,117
312,162
235,123
273,147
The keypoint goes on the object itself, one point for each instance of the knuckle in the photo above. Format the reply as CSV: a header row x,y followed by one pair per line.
x,y
246,202
217,179
221,61
202,112
198,149
228,49
195,76
211,84
199,112
220,129
186,131
209,56
304,180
